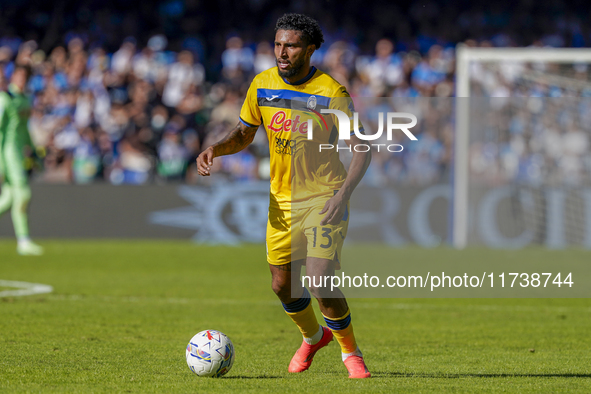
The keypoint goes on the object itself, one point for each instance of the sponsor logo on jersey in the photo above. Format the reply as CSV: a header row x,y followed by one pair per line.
x,y
285,146
279,122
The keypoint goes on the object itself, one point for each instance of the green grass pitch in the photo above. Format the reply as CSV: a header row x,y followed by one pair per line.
x,y
122,313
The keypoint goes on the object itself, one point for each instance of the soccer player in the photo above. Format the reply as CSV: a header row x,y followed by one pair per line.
x,y
306,226
14,137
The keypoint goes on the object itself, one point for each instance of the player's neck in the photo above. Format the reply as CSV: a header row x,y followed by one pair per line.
x,y
302,76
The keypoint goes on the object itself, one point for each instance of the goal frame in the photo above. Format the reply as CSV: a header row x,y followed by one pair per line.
x,y
465,55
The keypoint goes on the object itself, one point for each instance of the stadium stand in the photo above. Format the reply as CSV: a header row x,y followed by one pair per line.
x,y
130,94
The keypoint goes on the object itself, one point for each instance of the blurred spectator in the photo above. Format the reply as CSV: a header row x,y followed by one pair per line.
x,y
172,155
87,160
385,69
182,75
430,71
264,58
113,104
237,61
121,61
228,110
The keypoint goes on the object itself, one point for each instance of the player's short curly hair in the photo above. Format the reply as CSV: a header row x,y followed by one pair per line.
x,y
311,32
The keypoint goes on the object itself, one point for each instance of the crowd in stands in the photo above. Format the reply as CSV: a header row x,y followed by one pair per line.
x,y
112,102
531,124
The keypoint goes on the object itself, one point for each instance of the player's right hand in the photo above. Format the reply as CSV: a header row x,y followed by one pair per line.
x,y
205,161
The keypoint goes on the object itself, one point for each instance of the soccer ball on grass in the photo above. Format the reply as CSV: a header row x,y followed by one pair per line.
x,y
210,353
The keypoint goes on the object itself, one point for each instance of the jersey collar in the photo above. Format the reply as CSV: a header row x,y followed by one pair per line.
x,y
303,80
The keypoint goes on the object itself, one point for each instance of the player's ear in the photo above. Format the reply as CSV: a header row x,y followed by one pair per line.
x,y
310,50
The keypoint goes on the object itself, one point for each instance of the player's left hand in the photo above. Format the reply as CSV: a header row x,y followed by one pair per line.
x,y
334,209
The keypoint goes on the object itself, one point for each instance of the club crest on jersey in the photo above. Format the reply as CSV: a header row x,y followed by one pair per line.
x,y
311,102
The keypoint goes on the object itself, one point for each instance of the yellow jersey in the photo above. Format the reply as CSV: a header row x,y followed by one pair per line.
x,y
301,172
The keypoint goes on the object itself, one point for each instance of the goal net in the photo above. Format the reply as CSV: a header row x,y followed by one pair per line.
x,y
523,147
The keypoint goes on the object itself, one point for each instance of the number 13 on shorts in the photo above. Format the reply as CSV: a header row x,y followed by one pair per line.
x,y
325,235
325,241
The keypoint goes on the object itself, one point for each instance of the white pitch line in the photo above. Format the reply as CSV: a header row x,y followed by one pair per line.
x,y
24,288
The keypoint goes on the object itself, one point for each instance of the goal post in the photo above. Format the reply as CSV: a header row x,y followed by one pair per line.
x,y
466,58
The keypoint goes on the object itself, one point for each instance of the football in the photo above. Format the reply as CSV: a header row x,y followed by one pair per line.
x,y
210,353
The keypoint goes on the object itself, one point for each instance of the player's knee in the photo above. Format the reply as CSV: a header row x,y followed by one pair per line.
x,y
282,288
21,197
26,193
320,287
315,291
318,292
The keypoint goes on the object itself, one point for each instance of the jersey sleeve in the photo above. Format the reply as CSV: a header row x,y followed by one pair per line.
x,y
250,114
343,102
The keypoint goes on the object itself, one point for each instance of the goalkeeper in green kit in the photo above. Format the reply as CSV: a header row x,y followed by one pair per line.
x,y
14,137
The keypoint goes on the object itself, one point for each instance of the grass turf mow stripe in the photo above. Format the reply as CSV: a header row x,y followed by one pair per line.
x,y
122,313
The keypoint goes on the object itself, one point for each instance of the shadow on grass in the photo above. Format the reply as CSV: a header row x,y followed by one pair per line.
x,y
251,377
478,375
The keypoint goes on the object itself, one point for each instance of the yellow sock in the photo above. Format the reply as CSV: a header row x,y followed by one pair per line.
x,y
302,314
342,329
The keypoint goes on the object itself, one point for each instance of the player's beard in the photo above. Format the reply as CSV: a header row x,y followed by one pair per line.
x,y
294,70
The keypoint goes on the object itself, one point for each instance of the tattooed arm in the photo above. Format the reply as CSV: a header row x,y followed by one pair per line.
x,y
239,138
